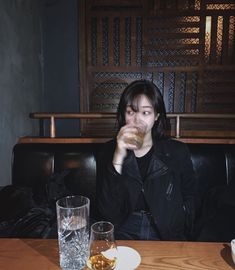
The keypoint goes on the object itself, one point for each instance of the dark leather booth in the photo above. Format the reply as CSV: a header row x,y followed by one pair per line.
x,y
33,165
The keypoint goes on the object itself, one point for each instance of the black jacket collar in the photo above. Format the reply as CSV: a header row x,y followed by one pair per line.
x,y
158,162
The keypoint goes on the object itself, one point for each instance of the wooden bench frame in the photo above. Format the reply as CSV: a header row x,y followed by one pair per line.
x,y
177,117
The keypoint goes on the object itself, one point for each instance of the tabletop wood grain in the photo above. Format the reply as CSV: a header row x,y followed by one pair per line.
x,y
35,254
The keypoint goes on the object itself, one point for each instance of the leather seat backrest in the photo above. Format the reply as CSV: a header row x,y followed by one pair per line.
x,y
34,164
209,165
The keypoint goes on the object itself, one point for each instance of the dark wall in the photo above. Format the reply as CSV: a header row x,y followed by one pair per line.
x,y
20,75
60,43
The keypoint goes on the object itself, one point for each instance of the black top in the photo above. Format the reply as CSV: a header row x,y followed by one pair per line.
x,y
143,163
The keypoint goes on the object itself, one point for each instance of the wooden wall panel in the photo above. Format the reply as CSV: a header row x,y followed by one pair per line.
x,y
187,48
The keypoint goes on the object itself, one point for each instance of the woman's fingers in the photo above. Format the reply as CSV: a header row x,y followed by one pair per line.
x,y
127,137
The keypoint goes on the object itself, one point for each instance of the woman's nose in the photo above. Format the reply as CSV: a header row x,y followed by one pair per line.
x,y
136,118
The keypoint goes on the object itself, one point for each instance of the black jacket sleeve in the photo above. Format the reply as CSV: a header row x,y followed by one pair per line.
x,y
111,188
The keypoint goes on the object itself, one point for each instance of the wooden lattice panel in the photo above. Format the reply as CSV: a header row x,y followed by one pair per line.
x,y
185,47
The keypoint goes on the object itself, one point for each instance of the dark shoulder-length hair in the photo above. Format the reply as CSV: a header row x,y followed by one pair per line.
x,y
151,91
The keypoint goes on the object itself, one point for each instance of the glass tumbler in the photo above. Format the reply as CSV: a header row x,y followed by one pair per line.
x,y
73,231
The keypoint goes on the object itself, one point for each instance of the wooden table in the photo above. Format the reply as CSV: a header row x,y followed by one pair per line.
x,y
42,254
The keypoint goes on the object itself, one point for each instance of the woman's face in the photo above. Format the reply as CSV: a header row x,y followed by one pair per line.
x,y
144,113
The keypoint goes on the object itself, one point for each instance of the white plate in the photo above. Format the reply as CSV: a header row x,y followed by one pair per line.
x,y
128,258
233,249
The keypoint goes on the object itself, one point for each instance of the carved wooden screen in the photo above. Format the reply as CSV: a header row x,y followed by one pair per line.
x,y
186,47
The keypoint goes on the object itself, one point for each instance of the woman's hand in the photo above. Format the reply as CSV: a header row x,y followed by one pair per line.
x,y
126,139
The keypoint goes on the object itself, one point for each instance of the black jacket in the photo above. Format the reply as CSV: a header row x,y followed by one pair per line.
x,y
169,188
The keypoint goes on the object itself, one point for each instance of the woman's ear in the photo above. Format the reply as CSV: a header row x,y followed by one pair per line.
x,y
157,116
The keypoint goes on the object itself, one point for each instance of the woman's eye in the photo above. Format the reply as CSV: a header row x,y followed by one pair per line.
x,y
146,112
130,112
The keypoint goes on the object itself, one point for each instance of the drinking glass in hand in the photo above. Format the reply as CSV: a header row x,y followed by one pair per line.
x,y
103,249
137,138
73,231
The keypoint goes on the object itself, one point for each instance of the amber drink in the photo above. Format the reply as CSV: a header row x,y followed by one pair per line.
x,y
137,138
103,249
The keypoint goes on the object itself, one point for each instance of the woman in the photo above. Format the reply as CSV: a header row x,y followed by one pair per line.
x,y
147,190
